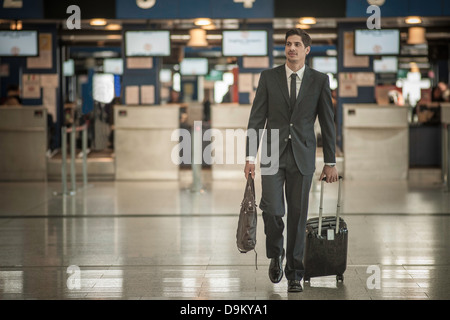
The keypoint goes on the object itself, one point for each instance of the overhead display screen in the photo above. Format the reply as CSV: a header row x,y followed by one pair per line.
x,y
19,43
325,64
385,65
377,42
237,43
194,66
147,43
113,65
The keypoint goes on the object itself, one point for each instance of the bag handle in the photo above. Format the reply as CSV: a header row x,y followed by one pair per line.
x,y
250,184
249,187
338,210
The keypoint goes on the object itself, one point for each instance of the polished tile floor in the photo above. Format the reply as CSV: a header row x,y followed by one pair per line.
x,y
160,240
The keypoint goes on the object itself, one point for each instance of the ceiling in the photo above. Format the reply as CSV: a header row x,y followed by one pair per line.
x,y
323,32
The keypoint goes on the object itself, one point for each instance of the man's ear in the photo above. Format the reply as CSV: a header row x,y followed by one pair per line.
x,y
308,49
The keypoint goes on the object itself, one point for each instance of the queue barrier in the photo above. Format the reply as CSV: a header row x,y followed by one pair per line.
x,y
72,131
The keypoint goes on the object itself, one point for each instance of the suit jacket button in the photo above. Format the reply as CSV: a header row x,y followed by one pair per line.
x,y
286,139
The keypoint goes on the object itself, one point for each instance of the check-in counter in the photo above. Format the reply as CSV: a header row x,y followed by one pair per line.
x,y
445,112
376,142
23,143
445,120
229,123
143,144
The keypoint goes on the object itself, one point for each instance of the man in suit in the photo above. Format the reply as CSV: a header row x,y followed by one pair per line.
x,y
287,101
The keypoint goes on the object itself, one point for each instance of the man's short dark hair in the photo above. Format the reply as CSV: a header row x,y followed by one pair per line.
x,y
306,39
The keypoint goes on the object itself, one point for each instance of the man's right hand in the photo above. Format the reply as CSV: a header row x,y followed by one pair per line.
x,y
249,168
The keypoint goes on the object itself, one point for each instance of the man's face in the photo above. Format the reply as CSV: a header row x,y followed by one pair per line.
x,y
295,49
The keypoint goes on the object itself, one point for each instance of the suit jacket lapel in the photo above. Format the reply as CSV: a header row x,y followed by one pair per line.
x,y
306,84
282,82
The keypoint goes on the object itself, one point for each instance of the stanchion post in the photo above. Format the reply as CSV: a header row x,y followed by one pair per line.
x,y
196,162
64,159
444,153
84,147
72,158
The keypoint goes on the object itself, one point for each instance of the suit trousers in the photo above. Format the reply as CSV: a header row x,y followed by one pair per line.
x,y
288,183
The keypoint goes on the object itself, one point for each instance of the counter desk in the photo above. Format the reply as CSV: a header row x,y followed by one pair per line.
x,y
445,147
23,143
445,112
229,122
143,144
375,142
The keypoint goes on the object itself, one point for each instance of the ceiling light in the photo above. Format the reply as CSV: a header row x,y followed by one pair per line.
x,y
113,26
97,22
307,20
413,20
198,38
202,22
114,37
209,27
302,26
416,35
214,37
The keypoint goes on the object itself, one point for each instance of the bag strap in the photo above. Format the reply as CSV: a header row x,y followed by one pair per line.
x,y
249,187
251,184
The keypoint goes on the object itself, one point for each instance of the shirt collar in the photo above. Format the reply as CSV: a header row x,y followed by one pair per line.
x,y
299,72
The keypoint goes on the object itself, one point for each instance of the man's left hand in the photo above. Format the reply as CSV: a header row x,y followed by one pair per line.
x,y
330,173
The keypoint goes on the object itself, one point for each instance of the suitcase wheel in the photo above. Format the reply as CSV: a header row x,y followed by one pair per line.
x,y
340,277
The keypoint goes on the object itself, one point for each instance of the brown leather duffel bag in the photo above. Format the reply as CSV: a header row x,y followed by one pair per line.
x,y
246,230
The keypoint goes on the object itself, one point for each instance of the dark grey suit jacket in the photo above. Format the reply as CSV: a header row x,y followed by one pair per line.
x,y
270,110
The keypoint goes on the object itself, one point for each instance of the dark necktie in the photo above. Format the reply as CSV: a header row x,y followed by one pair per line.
x,y
293,91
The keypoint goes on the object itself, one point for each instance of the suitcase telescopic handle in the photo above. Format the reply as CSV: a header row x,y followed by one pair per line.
x,y
338,209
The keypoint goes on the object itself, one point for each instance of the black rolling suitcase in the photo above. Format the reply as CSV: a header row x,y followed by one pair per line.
x,y
326,252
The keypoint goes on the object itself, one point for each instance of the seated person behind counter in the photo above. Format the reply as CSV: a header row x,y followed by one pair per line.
x,y
430,112
12,96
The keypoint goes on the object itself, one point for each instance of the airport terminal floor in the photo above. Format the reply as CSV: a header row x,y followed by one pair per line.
x,y
160,240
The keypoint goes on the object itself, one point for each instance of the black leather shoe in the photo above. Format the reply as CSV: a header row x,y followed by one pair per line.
x,y
276,268
294,286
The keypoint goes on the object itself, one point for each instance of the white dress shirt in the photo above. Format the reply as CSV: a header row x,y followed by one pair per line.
x,y
299,78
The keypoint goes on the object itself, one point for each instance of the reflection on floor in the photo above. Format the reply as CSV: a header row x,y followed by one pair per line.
x,y
160,240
